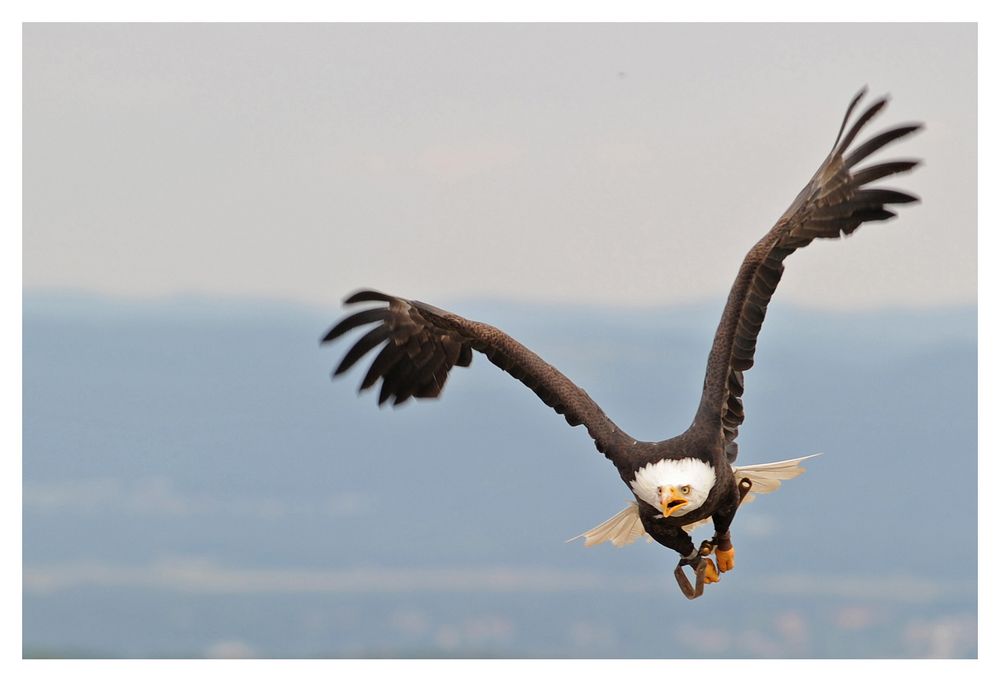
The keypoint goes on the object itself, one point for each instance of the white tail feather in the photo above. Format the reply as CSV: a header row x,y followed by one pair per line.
x,y
622,529
625,527
766,478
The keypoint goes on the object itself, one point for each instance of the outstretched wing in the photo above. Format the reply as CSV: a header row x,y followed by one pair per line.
x,y
421,343
835,202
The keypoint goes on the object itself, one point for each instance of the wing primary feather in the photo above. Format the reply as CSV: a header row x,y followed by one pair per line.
x,y
878,197
866,149
380,365
881,170
354,320
868,115
364,344
367,295
417,375
391,382
383,393
872,213
850,110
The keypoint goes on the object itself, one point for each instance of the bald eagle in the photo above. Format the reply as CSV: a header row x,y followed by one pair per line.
x,y
680,482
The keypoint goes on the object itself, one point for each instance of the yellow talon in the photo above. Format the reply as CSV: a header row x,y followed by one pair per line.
x,y
711,575
726,559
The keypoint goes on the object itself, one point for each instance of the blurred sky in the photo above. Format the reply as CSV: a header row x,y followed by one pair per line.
x,y
610,163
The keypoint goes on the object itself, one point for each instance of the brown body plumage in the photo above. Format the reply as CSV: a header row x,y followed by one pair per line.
x,y
422,343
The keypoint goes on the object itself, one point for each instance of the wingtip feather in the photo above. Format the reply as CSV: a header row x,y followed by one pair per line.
x,y
364,295
847,115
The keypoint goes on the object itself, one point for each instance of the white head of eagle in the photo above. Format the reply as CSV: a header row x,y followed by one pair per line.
x,y
674,486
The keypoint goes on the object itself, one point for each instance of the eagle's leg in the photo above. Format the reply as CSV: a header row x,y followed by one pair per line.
x,y
725,554
722,543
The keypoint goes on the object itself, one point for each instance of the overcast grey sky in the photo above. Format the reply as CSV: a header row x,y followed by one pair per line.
x,y
622,163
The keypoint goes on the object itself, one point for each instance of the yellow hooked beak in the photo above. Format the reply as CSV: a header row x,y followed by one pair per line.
x,y
671,500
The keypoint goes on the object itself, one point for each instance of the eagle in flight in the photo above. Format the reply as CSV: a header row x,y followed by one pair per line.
x,y
680,482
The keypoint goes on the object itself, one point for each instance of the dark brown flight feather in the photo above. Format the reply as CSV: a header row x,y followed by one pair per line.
x,y
835,202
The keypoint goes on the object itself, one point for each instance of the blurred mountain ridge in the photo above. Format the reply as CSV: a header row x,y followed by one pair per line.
x,y
192,476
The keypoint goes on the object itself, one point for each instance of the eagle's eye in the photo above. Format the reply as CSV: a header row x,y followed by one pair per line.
x,y
685,490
